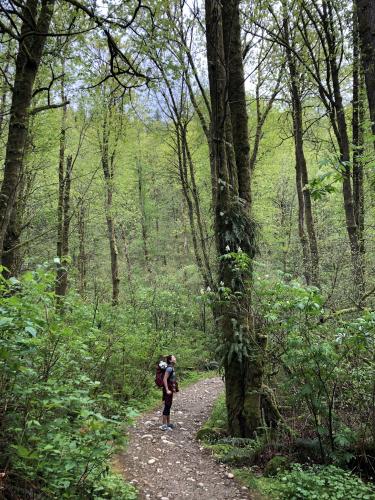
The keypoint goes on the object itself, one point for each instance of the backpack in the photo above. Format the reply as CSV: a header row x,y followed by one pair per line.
x,y
160,372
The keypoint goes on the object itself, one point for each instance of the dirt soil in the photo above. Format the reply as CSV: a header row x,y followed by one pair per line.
x,y
172,464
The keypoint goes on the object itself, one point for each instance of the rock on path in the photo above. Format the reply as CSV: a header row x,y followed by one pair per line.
x,y
155,458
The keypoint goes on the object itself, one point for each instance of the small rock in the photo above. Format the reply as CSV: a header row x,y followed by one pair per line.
x,y
147,436
148,422
244,488
151,461
229,475
201,485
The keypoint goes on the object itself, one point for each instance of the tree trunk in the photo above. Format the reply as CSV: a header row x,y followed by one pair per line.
x,y
338,121
242,360
108,172
358,144
202,232
82,250
305,217
60,278
366,24
27,64
182,155
62,270
351,225
143,215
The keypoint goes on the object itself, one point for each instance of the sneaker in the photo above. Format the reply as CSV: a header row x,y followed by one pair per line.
x,y
171,426
164,427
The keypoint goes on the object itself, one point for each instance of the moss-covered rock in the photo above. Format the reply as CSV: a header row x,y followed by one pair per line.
x,y
277,464
207,434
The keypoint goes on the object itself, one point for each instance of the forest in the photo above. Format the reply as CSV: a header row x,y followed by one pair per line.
x,y
197,178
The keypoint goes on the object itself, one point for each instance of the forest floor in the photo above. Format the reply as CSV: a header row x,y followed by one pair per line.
x,y
172,464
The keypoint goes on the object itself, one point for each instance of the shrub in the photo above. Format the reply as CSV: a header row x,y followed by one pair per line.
x,y
320,483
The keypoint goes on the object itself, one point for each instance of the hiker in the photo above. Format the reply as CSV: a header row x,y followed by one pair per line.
x,y
169,387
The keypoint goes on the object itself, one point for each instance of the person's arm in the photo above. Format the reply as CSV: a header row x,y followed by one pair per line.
x,y
165,382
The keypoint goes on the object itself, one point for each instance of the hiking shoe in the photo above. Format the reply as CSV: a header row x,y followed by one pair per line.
x,y
164,427
171,426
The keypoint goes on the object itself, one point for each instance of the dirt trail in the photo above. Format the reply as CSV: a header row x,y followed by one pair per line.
x,y
173,458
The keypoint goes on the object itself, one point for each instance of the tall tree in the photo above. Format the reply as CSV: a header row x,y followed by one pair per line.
x,y
36,17
108,156
242,348
305,216
366,23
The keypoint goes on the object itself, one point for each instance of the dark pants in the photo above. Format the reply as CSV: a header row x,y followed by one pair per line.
x,y
168,399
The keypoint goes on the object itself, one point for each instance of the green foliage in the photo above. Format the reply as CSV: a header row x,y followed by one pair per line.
x,y
275,465
70,382
59,424
322,483
318,359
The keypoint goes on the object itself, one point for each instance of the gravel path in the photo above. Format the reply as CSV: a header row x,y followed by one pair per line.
x,y
171,464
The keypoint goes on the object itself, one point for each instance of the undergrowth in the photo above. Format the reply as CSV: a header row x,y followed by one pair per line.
x,y
283,479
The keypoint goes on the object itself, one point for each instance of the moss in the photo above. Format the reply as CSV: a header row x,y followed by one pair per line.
x,y
207,434
261,488
277,464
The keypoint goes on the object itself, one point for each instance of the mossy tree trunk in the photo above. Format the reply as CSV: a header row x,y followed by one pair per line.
x,y
242,348
366,24
36,17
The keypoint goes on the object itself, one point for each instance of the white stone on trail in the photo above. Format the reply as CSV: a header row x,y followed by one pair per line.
x,y
152,461
169,443
147,436
229,475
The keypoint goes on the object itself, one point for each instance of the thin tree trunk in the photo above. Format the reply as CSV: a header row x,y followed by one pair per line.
x,y
128,265
143,215
61,192
82,258
62,270
305,216
183,174
27,65
108,172
201,229
338,121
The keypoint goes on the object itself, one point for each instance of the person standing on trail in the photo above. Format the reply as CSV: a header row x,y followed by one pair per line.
x,y
169,387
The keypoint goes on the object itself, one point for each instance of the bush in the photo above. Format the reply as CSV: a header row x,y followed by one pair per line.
x,y
320,483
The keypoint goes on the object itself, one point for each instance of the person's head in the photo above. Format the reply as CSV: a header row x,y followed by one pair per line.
x,y
171,360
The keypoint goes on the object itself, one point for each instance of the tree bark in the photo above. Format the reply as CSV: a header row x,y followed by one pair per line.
x,y
143,215
62,174
62,269
82,258
366,24
29,55
108,171
358,143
